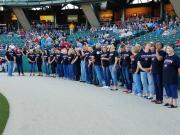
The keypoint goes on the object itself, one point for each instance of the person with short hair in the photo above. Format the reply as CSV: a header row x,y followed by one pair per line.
x,y
32,61
144,63
10,58
171,70
19,61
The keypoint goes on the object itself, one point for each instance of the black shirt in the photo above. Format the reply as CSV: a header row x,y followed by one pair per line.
x,y
105,63
10,55
97,57
32,57
112,56
145,59
39,57
64,59
59,58
157,66
19,57
170,69
86,56
126,58
53,56
134,61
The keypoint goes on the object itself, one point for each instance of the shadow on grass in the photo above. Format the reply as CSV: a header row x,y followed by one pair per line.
x,y
4,112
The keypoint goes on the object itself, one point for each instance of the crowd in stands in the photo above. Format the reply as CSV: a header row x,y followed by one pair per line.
x,y
143,70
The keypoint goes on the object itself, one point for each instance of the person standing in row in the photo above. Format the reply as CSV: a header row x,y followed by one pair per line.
x,y
32,62
52,62
39,62
19,61
45,61
136,86
157,66
113,60
125,57
97,64
144,63
105,66
171,70
10,58
59,63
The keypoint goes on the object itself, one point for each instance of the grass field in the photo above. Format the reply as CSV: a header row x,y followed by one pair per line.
x,y
4,112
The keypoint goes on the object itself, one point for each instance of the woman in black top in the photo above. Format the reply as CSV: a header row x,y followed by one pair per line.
x,y
52,62
70,64
137,86
171,69
144,63
59,64
32,61
65,62
45,61
113,60
105,66
39,61
125,58
19,61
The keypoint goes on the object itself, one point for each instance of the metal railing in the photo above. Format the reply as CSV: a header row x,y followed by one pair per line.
x,y
42,2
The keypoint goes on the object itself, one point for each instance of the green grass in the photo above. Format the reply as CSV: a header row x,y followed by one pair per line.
x,y
4,112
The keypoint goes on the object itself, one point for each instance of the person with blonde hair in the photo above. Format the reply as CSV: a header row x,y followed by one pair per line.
x,y
136,86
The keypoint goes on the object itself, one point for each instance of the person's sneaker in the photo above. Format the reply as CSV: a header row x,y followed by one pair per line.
x,y
173,106
125,91
159,102
139,95
150,98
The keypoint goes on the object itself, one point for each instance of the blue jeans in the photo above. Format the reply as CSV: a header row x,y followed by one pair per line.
x,y
158,86
32,67
65,70
10,68
147,83
106,76
60,70
137,86
98,70
127,79
171,90
47,68
89,73
83,71
71,71
113,74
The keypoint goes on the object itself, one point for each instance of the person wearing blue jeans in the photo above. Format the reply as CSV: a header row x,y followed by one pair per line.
x,y
144,63
171,70
83,71
126,62
137,85
32,62
10,58
65,62
148,84
113,59
59,64
45,61
97,64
